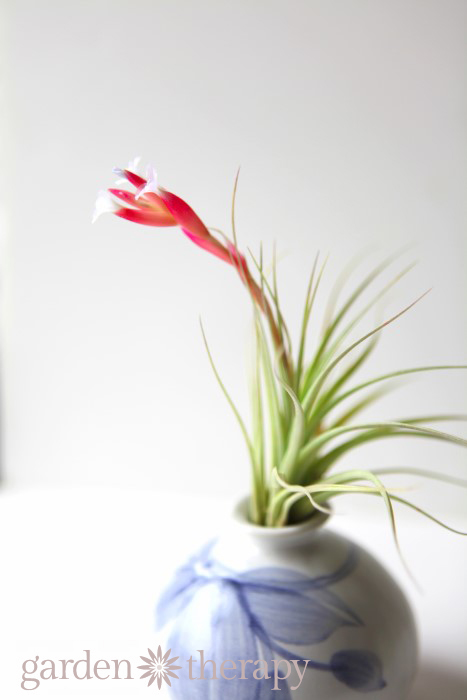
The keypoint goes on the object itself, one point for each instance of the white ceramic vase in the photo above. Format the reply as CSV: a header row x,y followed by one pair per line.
x,y
299,601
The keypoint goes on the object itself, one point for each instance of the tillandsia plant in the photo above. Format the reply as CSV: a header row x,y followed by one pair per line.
x,y
295,440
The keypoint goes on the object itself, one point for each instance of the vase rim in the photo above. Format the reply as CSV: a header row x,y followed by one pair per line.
x,y
240,516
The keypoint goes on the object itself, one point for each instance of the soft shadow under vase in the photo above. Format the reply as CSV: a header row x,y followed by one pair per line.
x,y
301,593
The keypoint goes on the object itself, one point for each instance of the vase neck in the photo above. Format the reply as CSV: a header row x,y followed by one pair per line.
x,y
277,537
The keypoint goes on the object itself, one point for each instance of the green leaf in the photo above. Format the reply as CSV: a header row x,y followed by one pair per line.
x,y
309,303
342,313
259,490
274,407
425,473
380,295
296,434
313,392
231,404
365,475
321,407
393,426
279,319
356,408
386,377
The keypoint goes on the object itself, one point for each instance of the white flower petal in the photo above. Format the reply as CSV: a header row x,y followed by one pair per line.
x,y
121,176
104,205
151,184
132,165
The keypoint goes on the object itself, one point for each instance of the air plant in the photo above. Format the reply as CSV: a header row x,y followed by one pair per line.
x,y
295,442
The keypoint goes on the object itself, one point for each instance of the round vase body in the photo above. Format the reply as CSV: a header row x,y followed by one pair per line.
x,y
301,604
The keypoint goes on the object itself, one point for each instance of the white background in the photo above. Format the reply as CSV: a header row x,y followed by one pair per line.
x,y
348,119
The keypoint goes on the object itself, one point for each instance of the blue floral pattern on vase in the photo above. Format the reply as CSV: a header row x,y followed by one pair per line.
x,y
259,614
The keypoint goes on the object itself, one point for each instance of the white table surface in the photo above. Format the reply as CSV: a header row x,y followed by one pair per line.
x,y
81,569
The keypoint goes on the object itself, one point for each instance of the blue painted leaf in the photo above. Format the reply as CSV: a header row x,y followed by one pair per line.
x,y
332,600
293,618
358,669
292,584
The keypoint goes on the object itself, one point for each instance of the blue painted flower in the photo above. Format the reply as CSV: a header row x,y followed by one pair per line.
x,y
258,614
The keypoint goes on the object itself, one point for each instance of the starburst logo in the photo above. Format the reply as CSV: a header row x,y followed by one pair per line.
x,y
159,667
